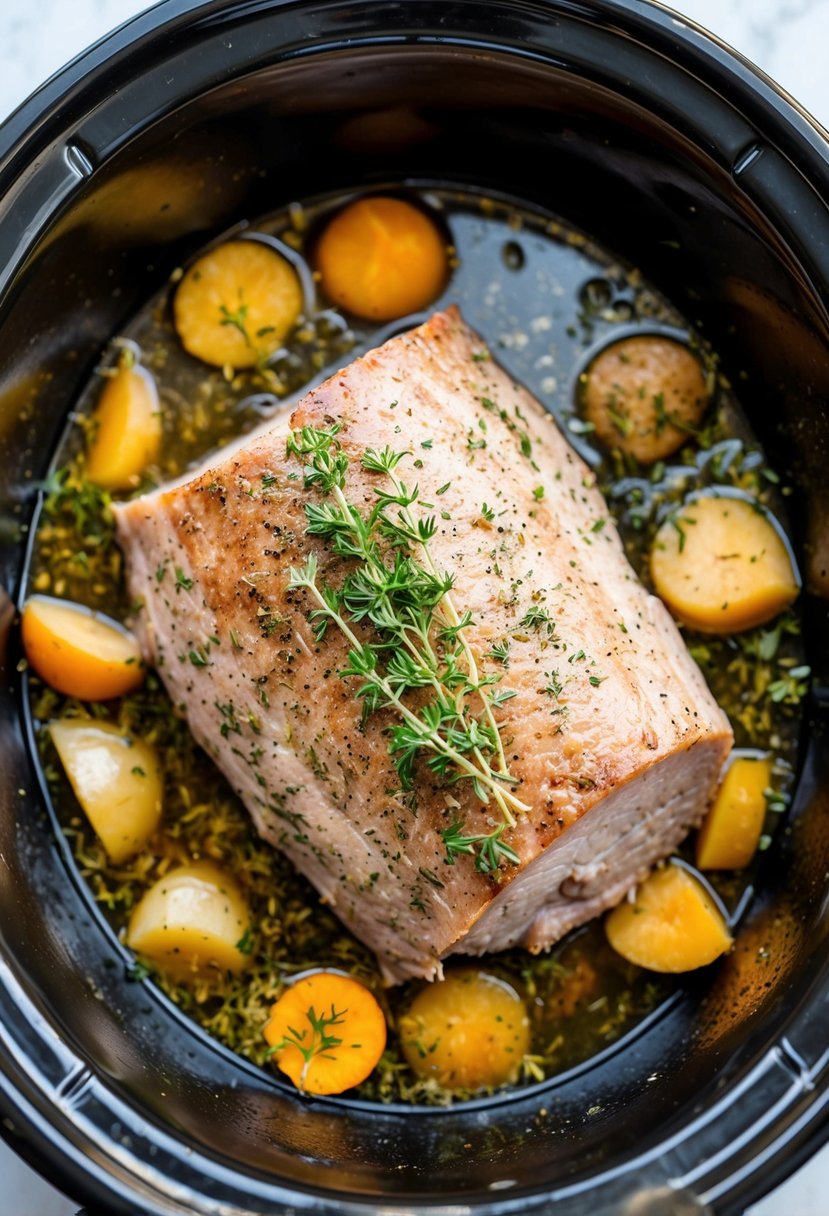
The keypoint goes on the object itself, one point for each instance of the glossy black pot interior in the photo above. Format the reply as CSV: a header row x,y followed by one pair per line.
x,y
645,134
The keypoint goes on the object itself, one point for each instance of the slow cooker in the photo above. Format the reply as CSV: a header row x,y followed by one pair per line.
x,y
641,130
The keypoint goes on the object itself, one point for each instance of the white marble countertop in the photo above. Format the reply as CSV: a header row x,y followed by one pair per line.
x,y
786,38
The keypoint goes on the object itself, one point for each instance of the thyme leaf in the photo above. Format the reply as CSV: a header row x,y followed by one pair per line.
x,y
491,848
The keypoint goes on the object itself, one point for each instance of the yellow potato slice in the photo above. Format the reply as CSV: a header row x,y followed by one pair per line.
x,y
672,925
644,395
720,565
116,779
79,652
127,432
468,1031
192,923
731,830
235,305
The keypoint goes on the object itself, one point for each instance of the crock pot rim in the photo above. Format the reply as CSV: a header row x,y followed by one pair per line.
x,y
22,137
24,131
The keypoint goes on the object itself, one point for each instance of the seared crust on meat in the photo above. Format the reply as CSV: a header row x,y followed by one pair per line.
x,y
616,767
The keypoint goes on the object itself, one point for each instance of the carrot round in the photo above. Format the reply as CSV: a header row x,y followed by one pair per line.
x,y
236,303
381,258
326,1032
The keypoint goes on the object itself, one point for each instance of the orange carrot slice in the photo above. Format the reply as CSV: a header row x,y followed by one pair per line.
x,y
644,395
382,258
326,1032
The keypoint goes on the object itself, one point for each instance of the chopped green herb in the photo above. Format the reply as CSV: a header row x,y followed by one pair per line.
x,y
237,319
553,687
317,1043
537,617
492,850
621,422
500,652
246,942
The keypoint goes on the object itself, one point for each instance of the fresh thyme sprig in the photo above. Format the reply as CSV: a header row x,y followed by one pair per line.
x,y
418,638
320,1042
491,847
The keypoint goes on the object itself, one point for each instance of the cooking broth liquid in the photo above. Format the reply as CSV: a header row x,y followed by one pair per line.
x,y
546,299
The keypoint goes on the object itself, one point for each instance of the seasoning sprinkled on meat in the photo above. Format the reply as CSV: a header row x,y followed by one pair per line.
x,y
560,738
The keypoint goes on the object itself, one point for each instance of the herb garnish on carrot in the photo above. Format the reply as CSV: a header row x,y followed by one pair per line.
x,y
331,1050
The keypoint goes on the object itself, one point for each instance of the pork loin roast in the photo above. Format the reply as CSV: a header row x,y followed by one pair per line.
x,y
612,737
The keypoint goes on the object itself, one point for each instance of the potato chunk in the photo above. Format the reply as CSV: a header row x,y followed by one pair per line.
x,y
468,1031
116,780
327,1032
382,258
79,652
731,830
127,432
672,925
721,565
192,923
236,304
643,395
